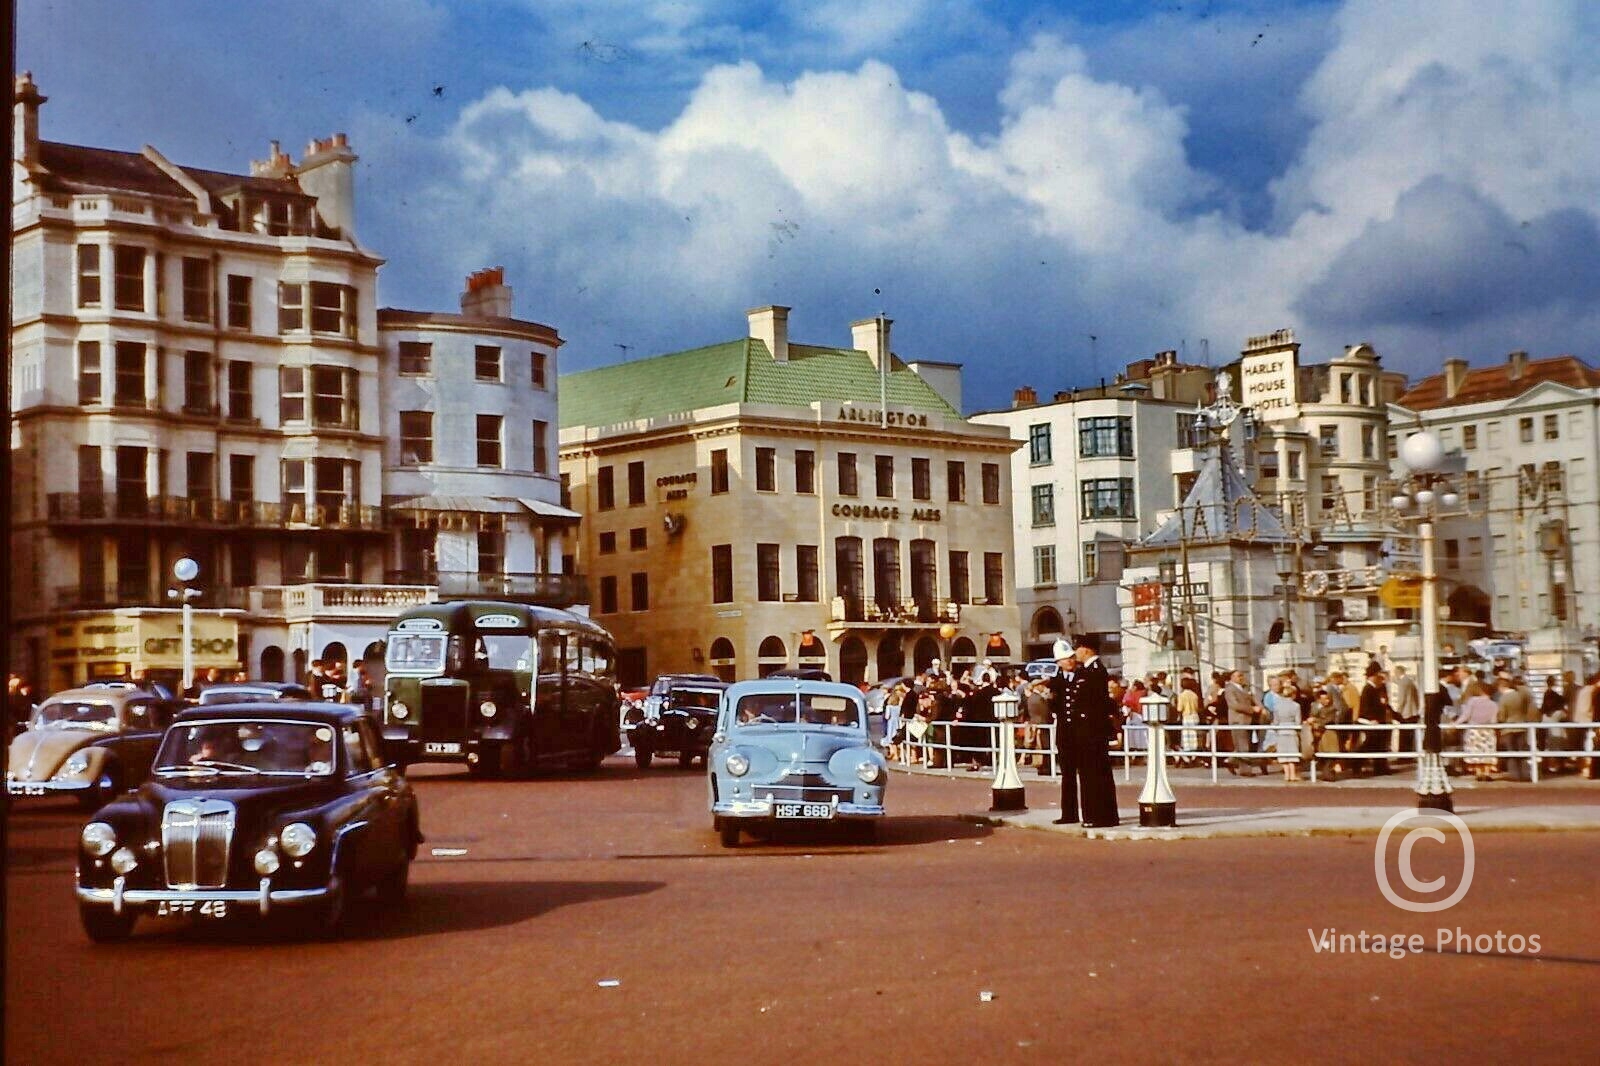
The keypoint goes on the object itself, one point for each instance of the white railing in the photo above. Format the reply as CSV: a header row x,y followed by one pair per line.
x,y
949,743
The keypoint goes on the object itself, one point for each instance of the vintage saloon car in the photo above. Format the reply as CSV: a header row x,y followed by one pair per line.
x,y
252,808
793,751
91,743
677,718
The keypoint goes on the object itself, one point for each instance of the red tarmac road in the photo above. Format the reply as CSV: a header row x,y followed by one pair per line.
x,y
1125,951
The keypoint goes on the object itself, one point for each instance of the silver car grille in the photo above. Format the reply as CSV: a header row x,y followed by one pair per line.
x,y
196,837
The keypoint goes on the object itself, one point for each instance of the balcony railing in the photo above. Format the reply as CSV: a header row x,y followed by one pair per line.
x,y
553,590
137,594
297,603
72,508
914,612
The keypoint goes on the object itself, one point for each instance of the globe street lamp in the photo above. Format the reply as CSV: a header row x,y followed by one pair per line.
x,y
1007,793
1158,807
186,570
1426,493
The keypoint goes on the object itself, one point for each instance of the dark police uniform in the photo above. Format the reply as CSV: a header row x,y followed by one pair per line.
x,y
1083,710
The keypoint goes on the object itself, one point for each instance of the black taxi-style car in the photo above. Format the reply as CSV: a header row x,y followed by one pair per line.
x,y
252,808
678,717
91,743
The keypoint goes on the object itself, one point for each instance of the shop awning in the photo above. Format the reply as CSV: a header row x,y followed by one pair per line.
x,y
552,511
457,504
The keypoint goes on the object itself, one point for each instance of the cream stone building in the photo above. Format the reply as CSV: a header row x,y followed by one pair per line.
x,y
759,504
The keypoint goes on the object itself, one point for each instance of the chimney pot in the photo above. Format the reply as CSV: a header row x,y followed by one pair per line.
x,y
1518,362
1455,373
486,294
770,325
871,335
1024,396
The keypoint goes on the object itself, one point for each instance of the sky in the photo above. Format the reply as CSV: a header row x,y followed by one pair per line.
x,y
1040,191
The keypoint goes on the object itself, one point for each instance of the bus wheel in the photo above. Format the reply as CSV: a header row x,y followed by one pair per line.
x,y
641,757
519,755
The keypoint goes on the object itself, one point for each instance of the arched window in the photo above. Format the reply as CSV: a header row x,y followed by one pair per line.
x,y
300,672
335,652
852,661
997,649
891,657
812,651
1047,623
771,656
926,651
962,653
272,664
723,662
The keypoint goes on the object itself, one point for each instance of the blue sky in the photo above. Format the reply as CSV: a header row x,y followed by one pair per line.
x,y
1005,180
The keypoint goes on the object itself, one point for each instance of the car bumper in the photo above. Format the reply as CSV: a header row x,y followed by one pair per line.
x,y
761,809
45,788
120,898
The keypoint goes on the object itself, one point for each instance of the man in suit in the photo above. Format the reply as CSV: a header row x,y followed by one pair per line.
x,y
1241,711
1374,710
1516,706
1085,715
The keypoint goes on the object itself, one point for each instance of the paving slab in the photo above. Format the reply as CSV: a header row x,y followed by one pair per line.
x,y
1220,822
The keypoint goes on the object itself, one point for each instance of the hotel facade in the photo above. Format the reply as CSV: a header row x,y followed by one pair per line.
x,y
760,504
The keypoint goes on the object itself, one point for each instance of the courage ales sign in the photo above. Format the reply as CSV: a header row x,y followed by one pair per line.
x,y
1267,385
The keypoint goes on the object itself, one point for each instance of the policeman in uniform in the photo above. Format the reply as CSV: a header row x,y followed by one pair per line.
x,y
1081,704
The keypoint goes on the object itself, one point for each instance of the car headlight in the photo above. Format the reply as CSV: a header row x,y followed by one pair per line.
x,y
98,839
692,723
123,860
398,711
869,771
736,764
77,765
297,840
488,709
266,862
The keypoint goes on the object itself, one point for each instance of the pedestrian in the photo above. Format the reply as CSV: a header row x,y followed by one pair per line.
x,y
316,678
360,690
1516,708
1085,715
19,707
1478,711
1405,699
1285,739
1190,708
1373,709
1241,712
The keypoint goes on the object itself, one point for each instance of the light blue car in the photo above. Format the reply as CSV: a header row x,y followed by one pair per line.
x,y
794,751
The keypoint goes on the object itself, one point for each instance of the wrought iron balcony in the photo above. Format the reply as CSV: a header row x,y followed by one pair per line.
x,y
913,613
73,508
550,590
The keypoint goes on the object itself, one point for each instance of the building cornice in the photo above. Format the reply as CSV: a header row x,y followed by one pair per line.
x,y
391,319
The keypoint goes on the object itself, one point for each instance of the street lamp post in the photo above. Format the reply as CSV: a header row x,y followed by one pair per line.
x,y
1286,570
1007,793
186,570
1423,455
1158,807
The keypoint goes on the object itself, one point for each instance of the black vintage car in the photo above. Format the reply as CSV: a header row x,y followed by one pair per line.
x,y
253,692
251,809
678,717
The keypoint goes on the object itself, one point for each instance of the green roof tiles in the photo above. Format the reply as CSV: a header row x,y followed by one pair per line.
x,y
739,371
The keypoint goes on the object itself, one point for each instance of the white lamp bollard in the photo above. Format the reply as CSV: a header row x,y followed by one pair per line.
x,y
1158,807
1007,793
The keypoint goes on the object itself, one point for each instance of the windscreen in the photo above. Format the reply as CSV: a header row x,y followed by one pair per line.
x,y
77,714
798,708
415,653
503,651
288,749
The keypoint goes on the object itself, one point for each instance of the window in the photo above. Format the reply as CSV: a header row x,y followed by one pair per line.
x,y
1091,560
1294,464
294,488
805,471
486,362
960,581
1552,427
807,586
334,399
1191,433
90,387
416,357
886,572
883,476
416,437
242,478
291,394
605,488
991,482
197,382
1364,385
1044,505
849,485
241,400
1525,430
491,552
994,577
767,573
541,447
722,573
1110,436
129,386
766,470
636,484
921,479
1107,497
955,473
541,369
1344,388
196,289
1185,483
641,592
1328,441
241,564
489,445
1044,565
1330,492
1393,448
200,471
291,307
128,266
1369,442
719,471
1452,554
333,308
89,294
608,594
608,544
638,539
1267,464
1469,438
1039,444
238,301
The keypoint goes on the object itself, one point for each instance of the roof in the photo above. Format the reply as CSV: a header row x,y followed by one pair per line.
x,y
1486,383
74,168
1219,507
399,318
466,613
740,371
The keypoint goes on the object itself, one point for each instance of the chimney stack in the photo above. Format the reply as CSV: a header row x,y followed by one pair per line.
x,y
1025,396
25,121
1518,362
1455,373
871,335
770,325
487,295
328,173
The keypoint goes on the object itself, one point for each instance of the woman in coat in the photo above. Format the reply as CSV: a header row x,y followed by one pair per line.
x,y
1478,709
1284,736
